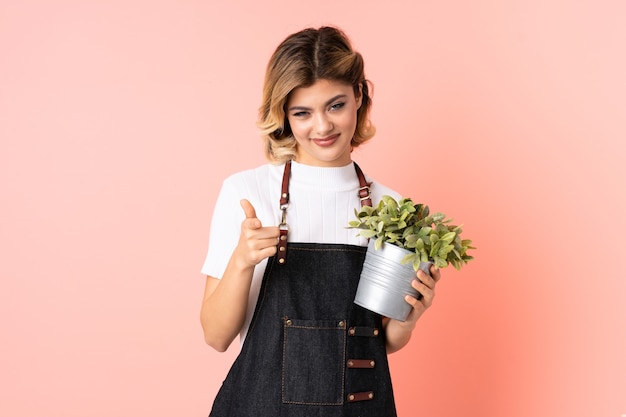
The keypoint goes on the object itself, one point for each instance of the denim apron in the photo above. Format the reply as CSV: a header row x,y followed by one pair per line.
x,y
310,351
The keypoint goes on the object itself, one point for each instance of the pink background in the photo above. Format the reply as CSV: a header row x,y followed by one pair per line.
x,y
119,120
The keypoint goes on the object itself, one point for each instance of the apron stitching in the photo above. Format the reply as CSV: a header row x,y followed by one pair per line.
x,y
328,250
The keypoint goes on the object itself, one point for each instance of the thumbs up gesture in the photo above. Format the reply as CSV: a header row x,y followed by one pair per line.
x,y
255,242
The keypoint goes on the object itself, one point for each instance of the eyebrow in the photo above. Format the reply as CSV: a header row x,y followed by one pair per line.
x,y
338,96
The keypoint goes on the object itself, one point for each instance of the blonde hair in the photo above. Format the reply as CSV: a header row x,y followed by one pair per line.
x,y
299,61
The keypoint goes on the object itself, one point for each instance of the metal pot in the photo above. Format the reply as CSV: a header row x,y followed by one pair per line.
x,y
385,281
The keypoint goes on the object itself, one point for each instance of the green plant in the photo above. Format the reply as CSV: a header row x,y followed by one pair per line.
x,y
411,226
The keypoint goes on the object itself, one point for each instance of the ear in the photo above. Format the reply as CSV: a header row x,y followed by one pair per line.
x,y
359,96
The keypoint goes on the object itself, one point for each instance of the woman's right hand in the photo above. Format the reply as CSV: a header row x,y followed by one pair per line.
x,y
225,300
255,242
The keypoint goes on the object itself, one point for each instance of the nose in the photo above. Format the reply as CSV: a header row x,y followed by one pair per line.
x,y
323,124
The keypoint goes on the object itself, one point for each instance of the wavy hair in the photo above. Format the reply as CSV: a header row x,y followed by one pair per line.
x,y
299,61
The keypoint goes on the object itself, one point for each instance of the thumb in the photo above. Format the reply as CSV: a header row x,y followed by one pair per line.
x,y
248,209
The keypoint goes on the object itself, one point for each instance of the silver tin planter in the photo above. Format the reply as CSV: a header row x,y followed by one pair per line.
x,y
385,281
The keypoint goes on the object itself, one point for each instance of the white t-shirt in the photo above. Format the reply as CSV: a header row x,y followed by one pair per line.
x,y
322,201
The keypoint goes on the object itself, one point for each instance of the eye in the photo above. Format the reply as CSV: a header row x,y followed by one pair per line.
x,y
337,106
300,114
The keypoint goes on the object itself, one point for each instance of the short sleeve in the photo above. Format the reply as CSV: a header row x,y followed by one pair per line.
x,y
225,229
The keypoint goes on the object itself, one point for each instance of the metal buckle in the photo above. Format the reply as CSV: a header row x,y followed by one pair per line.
x,y
367,190
283,221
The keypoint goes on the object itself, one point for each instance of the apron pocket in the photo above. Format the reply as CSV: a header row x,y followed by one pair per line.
x,y
313,361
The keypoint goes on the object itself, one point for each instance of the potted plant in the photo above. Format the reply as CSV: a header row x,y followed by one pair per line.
x,y
404,237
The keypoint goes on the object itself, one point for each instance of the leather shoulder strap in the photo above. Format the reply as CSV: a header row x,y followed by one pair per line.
x,y
364,190
283,229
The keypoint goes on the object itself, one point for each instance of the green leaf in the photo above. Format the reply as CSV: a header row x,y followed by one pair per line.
x,y
434,249
408,258
411,238
441,263
424,231
367,233
437,217
444,250
448,237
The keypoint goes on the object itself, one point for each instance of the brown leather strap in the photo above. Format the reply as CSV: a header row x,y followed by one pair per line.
x,y
282,227
284,193
364,191
361,363
360,396
364,196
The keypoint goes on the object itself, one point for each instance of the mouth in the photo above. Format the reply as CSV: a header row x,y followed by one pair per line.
x,y
327,141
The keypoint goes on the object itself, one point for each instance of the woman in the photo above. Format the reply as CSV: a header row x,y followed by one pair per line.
x,y
282,268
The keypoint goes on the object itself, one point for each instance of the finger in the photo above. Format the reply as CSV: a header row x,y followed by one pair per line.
x,y
258,255
248,209
414,302
269,232
427,292
426,279
269,251
251,220
435,273
261,233
260,244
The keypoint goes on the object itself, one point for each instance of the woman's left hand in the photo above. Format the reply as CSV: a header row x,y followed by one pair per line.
x,y
425,285
398,333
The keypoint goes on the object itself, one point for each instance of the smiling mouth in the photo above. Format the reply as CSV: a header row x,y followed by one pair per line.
x,y
327,141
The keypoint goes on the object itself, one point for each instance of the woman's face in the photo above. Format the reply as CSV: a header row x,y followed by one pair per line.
x,y
323,120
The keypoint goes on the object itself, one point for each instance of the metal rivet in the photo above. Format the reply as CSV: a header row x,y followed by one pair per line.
x,y
284,195
375,332
288,322
350,364
283,237
351,332
342,324
351,397
281,261
282,249
372,363
370,395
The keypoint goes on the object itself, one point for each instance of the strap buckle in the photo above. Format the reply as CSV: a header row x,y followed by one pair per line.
x,y
364,193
